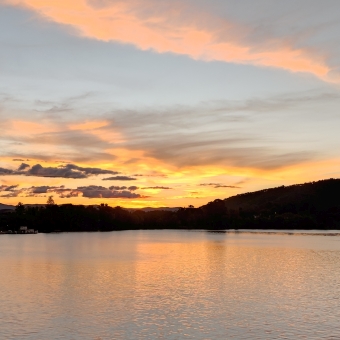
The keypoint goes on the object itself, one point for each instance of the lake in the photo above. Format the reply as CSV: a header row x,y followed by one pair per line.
x,y
170,285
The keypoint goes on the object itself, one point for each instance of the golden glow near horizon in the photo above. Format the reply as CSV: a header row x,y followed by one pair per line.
x,y
143,103
176,189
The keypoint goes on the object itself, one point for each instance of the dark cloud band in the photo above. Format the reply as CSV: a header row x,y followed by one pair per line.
x,y
90,191
119,178
62,171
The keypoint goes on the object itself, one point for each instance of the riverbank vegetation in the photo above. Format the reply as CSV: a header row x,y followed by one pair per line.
x,y
314,205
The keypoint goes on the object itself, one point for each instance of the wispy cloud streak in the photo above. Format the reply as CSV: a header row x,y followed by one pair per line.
x,y
176,27
119,178
217,186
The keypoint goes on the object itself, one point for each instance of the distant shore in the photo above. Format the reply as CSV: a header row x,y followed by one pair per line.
x,y
311,232
309,206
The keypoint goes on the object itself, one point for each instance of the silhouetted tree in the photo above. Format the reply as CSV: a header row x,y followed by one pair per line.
x,y
50,201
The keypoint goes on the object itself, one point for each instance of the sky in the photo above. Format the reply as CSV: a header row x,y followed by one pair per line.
x,y
154,103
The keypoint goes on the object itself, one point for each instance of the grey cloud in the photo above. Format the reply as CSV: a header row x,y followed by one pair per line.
x,y
61,191
56,109
8,187
42,189
14,193
74,138
156,131
93,191
11,191
208,184
66,171
117,188
300,25
242,181
131,188
224,132
91,171
65,192
233,133
66,105
275,161
227,186
23,166
274,103
228,153
70,194
37,191
62,171
153,174
157,187
81,146
11,188
217,185
90,155
4,171
119,178
81,155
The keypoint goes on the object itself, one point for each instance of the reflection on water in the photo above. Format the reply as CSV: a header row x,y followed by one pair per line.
x,y
169,285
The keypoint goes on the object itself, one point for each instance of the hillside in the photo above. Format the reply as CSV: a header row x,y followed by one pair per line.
x,y
6,207
308,205
320,195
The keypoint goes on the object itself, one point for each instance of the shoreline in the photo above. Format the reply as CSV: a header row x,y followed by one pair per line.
x,y
296,232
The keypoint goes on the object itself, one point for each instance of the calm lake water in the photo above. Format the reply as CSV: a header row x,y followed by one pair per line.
x,y
170,285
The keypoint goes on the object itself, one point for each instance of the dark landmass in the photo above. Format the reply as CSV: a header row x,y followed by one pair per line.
x,y
6,207
147,209
314,205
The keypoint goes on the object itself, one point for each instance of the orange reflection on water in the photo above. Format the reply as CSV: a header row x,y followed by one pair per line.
x,y
169,284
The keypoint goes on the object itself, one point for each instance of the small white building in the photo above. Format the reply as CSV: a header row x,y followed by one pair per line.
x,y
23,230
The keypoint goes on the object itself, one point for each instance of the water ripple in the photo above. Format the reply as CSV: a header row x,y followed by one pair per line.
x,y
169,285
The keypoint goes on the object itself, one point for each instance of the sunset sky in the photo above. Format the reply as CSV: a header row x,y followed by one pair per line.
x,y
151,103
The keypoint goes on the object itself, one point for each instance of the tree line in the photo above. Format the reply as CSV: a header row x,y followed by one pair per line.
x,y
314,205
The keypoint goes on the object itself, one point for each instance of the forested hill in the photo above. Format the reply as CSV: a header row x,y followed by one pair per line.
x,y
313,205
300,206
299,197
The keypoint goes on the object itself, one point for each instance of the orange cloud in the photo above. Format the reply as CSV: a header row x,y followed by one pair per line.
x,y
99,129
148,25
20,127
